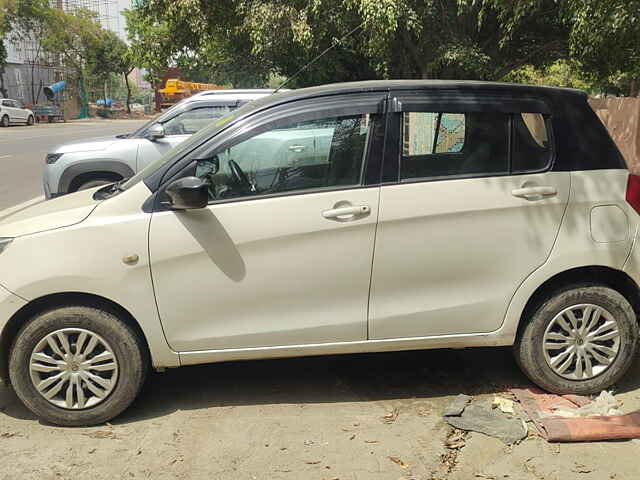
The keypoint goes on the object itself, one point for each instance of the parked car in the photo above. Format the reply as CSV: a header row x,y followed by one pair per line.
x,y
83,164
12,112
358,217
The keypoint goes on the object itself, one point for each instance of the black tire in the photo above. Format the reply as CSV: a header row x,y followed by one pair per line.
x,y
96,182
30,120
529,351
127,348
4,122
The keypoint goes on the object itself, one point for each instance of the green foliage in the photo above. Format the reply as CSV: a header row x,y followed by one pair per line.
x,y
605,39
109,55
475,39
151,46
74,38
559,74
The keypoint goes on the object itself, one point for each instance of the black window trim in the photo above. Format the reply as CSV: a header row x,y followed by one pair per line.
x,y
335,106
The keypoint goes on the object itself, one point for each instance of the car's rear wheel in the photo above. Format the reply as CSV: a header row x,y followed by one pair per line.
x,y
77,365
580,340
30,120
96,182
4,121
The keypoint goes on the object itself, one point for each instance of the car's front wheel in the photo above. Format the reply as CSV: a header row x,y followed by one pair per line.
x,y
4,121
77,365
580,340
30,120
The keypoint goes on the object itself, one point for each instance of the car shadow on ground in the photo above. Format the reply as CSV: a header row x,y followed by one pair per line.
x,y
327,379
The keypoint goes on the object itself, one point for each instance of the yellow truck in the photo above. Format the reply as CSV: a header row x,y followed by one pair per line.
x,y
175,90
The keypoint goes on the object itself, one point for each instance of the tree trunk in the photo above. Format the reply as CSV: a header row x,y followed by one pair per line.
x,y
126,82
33,79
634,88
158,98
3,90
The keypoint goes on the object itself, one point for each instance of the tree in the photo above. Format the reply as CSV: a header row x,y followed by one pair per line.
x,y
4,29
74,39
561,73
475,39
28,21
111,55
151,47
605,39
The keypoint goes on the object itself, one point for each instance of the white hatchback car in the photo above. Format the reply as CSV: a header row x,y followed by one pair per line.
x,y
359,217
12,112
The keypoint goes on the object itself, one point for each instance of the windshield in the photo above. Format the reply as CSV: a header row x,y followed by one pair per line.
x,y
184,147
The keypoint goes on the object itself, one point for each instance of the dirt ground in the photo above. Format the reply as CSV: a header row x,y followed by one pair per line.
x,y
343,417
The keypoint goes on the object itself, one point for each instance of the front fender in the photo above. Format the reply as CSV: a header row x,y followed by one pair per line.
x,y
104,165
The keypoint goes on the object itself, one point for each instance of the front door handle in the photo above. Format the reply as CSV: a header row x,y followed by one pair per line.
x,y
346,213
297,148
534,193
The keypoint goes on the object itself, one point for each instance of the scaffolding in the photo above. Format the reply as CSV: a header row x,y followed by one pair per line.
x,y
107,11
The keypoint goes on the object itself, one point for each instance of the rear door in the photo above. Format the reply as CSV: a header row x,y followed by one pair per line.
x,y
19,111
469,209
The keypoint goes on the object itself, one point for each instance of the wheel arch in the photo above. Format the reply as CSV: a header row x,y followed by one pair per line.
x,y
611,277
74,174
49,302
76,182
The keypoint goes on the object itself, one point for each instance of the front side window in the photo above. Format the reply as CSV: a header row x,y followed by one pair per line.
x,y
191,121
311,155
440,144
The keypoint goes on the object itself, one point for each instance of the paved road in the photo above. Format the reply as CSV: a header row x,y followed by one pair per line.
x,y
22,151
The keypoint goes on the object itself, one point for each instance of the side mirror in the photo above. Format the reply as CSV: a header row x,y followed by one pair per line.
x,y
188,193
155,132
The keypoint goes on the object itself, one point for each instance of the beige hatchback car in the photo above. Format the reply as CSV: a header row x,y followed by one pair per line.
x,y
360,217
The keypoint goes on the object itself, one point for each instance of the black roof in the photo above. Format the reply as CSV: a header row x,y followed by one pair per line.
x,y
457,85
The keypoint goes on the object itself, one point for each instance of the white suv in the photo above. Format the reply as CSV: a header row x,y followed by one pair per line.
x,y
363,217
88,163
12,112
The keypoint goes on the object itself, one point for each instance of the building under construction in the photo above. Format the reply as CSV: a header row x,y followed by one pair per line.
x,y
29,69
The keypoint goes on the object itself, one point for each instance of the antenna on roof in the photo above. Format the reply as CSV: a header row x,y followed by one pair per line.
x,y
326,50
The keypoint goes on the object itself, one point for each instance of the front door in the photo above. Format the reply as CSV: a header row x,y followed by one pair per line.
x,y
12,111
468,218
282,255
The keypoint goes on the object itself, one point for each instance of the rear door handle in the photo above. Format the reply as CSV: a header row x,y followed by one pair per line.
x,y
297,148
534,193
346,213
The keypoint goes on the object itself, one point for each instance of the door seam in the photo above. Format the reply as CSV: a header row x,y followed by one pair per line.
x,y
373,256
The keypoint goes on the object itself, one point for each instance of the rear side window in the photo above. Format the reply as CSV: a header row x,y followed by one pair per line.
x,y
440,144
426,133
531,148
